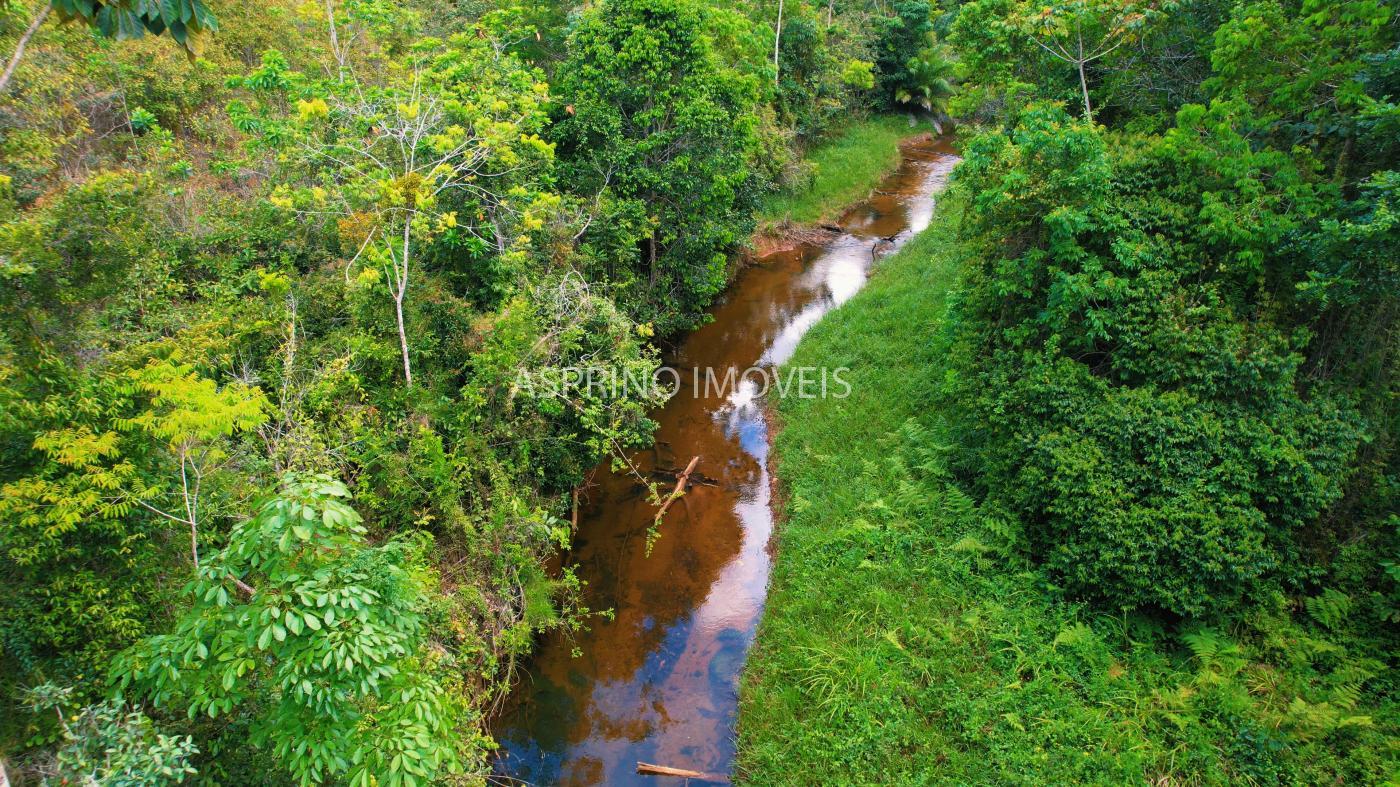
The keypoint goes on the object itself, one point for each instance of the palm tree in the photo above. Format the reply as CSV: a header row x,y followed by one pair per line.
x,y
928,83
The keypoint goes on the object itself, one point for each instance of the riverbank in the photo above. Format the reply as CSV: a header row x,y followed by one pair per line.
x,y
899,645
657,681
844,170
907,640
831,685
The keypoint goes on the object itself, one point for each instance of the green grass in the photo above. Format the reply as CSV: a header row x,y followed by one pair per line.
x,y
906,640
846,168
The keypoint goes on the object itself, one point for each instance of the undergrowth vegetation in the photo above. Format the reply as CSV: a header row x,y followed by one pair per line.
x,y
1126,510
910,638
838,172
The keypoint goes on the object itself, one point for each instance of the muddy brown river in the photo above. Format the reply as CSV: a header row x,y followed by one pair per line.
x,y
658,683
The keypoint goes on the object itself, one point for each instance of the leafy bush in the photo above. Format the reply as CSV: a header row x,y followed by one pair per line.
x,y
903,35
1156,466
109,744
910,637
322,634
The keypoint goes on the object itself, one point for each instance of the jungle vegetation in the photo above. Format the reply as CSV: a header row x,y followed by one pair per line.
x,y
274,505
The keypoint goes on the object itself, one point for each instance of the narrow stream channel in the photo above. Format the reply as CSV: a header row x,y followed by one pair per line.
x,y
659,682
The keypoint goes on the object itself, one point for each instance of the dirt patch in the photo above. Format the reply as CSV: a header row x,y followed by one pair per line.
x,y
787,236
918,139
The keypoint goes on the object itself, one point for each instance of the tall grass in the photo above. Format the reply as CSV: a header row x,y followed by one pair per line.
x,y
845,169
908,640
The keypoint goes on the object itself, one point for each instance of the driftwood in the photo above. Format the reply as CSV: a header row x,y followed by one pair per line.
x,y
672,473
681,481
648,769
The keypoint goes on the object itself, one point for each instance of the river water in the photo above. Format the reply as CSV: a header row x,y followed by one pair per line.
x,y
658,683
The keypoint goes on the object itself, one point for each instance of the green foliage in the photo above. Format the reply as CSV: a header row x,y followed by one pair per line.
x,y
1320,92
927,82
653,119
1011,52
194,307
67,105
186,409
903,38
521,390
322,633
998,65
533,29
838,172
183,20
1080,32
908,637
81,569
811,91
90,500
859,74
396,164
87,247
109,744
1154,467
1145,532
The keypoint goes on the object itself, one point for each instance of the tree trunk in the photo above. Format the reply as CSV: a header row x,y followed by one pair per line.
x,y
403,342
23,42
1084,86
191,507
651,249
777,37
291,353
1084,83
335,41
400,290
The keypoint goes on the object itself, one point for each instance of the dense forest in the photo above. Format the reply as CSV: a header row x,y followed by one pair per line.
x,y
1128,510
275,506
278,504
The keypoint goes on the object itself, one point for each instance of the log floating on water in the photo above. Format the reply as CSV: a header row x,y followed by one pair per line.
x,y
672,473
648,769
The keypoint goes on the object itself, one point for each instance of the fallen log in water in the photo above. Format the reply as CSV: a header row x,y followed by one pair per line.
x,y
672,473
648,769
681,481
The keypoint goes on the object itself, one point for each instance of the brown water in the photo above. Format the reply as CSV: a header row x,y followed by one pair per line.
x,y
658,683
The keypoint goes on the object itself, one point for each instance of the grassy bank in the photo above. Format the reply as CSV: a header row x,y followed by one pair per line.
x,y
905,640
845,169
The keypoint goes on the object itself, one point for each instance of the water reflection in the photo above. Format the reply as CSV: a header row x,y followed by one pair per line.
x,y
658,683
